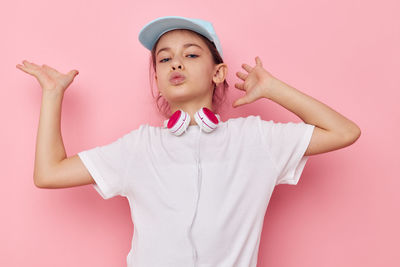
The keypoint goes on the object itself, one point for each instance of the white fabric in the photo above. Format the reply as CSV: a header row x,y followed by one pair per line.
x,y
241,161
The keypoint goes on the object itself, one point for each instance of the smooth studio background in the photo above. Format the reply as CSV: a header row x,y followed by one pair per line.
x,y
343,212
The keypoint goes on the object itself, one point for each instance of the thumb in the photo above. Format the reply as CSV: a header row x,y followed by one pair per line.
x,y
73,73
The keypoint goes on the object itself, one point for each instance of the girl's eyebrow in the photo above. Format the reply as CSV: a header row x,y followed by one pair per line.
x,y
185,46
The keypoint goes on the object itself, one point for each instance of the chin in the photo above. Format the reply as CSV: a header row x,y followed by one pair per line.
x,y
179,97
177,90
181,92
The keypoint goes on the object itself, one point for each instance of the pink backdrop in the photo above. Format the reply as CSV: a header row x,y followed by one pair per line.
x,y
343,212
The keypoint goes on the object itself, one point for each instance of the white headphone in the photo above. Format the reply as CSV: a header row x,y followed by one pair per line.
x,y
180,120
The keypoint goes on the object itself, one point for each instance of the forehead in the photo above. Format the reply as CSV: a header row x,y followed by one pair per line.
x,y
179,36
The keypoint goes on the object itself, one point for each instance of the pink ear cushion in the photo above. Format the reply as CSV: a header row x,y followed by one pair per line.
x,y
174,118
210,115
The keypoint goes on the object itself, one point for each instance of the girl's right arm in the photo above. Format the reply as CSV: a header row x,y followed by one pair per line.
x,y
52,168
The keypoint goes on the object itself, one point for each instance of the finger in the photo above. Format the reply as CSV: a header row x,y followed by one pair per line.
x,y
239,102
248,68
258,61
240,86
30,64
241,75
25,69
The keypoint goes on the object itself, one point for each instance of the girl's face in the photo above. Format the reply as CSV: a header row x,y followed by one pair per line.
x,y
182,51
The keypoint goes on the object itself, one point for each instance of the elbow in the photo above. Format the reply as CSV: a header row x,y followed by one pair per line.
x,y
352,135
45,178
38,182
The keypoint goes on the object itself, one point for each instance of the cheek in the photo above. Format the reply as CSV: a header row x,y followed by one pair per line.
x,y
202,71
159,74
206,74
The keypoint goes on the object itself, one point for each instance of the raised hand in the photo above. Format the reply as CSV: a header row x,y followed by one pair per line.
x,y
255,84
49,78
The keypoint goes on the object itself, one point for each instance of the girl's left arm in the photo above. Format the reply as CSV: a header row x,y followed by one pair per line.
x,y
332,130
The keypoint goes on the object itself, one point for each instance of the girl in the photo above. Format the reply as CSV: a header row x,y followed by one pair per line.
x,y
198,187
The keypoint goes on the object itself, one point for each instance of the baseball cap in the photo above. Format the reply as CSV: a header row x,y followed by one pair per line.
x,y
153,30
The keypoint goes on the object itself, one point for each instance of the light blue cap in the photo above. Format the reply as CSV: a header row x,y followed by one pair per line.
x,y
153,30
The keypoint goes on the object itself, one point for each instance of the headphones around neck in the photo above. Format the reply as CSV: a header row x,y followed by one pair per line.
x,y
180,120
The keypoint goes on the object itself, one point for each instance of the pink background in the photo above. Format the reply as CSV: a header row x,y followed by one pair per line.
x,y
343,212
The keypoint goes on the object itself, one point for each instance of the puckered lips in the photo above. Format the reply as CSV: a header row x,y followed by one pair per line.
x,y
176,78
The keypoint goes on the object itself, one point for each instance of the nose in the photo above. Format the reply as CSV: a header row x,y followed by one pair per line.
x,y
176,63
175,67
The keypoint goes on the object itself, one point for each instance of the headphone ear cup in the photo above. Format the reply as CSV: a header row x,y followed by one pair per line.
x,y
206,119
178,122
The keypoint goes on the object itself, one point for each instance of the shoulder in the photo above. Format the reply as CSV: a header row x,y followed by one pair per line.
x,y
243,120
138,133
248,122
255,124
245,127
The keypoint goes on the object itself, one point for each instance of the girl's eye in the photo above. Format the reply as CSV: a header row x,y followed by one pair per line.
x,y
163,60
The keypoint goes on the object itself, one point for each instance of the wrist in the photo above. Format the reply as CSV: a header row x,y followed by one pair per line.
x,y
273,88
52,94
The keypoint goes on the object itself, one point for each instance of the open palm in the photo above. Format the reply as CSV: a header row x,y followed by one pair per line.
x,y
256,82
49,78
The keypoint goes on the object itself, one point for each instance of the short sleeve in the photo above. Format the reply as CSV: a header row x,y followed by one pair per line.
x,y
287,143
108,164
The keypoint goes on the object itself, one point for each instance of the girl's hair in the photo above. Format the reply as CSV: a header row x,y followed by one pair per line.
x,y
219,92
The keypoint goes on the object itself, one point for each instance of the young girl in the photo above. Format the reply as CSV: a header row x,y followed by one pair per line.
x,y
198,187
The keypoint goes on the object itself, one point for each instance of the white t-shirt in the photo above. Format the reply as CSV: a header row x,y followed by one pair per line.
x,y
209,212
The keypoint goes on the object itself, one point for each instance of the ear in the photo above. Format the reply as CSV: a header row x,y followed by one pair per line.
x,y
220,72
